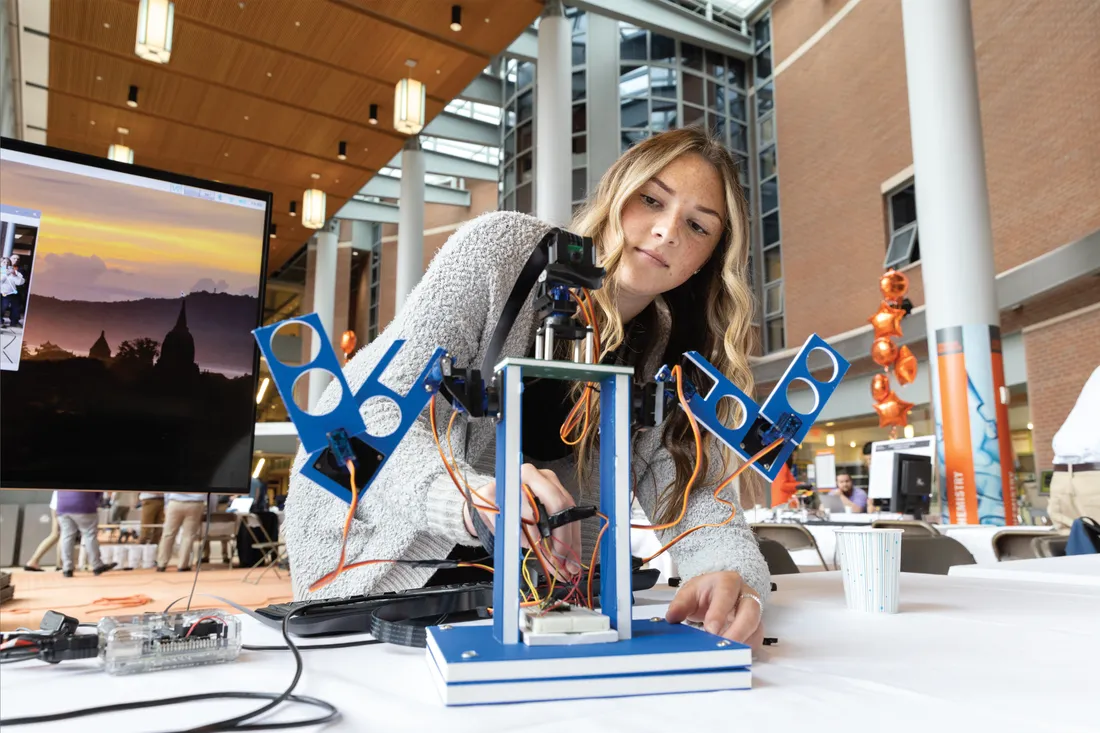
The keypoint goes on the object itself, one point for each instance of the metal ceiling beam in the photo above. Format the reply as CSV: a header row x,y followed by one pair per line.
x,y
368,211
452,165
464,129
654,15
387,187
525,47
485,89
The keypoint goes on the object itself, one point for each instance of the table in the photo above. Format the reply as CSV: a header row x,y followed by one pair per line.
x,y
1070,570
977,653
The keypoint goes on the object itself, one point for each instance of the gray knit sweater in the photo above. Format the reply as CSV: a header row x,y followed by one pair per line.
x,y
413,510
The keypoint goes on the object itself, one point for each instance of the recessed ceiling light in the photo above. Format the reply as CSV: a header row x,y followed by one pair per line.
x,y
315,176
337,180
92,121
226,155
269,75
106,25
486,20
123,130
246,117
297,24
98,77
438,71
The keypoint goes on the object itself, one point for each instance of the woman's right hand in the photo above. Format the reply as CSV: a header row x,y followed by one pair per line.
x,y
565,545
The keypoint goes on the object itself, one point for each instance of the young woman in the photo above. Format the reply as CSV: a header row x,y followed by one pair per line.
x,y
669,223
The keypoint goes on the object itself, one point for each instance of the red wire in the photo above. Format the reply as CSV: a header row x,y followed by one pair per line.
x,y
204,618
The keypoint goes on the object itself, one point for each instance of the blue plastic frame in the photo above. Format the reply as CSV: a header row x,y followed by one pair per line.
x,y
314,430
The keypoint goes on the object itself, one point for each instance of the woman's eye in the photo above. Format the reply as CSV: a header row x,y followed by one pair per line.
x,y
698,229
649,200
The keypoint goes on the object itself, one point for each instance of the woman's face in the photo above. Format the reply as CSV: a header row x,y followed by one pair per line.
x,y
672,225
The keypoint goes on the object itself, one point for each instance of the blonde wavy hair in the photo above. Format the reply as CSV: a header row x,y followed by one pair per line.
x,y
720,290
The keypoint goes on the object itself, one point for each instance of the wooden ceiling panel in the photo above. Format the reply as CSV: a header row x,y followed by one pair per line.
x,y
433,18
304,73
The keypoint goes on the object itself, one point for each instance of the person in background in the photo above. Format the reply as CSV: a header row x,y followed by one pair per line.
x,y
1075,486
152,517
44,546
853,497
181,511
213,507
784,485
10,281
77,513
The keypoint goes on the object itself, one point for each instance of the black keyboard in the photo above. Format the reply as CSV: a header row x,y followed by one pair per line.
x,y
351,615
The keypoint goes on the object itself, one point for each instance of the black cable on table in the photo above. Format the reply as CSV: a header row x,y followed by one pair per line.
x,y
231,724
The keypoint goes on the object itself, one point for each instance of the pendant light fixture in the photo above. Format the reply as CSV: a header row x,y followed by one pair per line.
x,y
119,152
154,30
294,208
131,98
342,153
408,104
456,18
313,206
373,114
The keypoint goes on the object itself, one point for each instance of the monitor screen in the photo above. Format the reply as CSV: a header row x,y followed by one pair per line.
x,y
129,297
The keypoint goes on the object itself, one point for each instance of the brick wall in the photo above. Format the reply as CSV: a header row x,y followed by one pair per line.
x,y
1060,358
843,130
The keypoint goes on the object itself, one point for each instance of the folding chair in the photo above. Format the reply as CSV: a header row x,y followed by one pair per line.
x,y
932,555
1052,546
272,550
791,536
908,526
779,560
1010,544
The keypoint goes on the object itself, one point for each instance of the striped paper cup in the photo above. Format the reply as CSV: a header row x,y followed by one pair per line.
x,y
870,563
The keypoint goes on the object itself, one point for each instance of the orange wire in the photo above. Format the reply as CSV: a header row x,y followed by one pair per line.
x,y
731,505
698,456
329,577
592,562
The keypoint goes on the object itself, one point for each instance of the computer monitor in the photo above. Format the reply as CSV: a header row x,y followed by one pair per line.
x,y
912,490
128,362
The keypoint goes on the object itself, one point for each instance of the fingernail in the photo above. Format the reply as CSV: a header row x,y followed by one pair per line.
x,y
713,629
573,567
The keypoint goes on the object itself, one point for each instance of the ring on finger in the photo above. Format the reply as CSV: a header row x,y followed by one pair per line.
x,y
754,597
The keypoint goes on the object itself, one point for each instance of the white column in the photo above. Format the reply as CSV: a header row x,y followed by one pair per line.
x,y
956,249
956,242
553,132
324,300
9,238
410,225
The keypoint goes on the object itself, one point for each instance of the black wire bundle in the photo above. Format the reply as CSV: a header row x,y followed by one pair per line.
x,y
237,723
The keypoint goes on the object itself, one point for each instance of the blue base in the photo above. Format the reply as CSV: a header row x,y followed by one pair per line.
x,y
470,667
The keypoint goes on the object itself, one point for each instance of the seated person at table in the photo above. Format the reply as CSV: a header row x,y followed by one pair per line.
x,y
669,224
853,497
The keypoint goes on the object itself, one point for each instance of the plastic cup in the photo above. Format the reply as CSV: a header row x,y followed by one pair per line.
x,y
870,563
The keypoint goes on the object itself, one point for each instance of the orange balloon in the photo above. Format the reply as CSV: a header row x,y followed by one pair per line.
x,y
893,411
883,351
905,366
887,322
347,342
894,285
880,387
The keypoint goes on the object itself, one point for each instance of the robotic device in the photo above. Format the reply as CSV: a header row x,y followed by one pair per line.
x,y
558,652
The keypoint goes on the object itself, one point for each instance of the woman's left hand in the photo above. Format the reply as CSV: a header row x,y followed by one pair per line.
x,y
724,604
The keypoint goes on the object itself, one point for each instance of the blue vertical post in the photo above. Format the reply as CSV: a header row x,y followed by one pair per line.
x,y
507,547
615,413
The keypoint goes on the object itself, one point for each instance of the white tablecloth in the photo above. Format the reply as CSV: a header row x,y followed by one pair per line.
x,y
1072,570
963,654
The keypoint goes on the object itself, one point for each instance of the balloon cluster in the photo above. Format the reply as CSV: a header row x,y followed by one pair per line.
x,y
348,343
892,410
